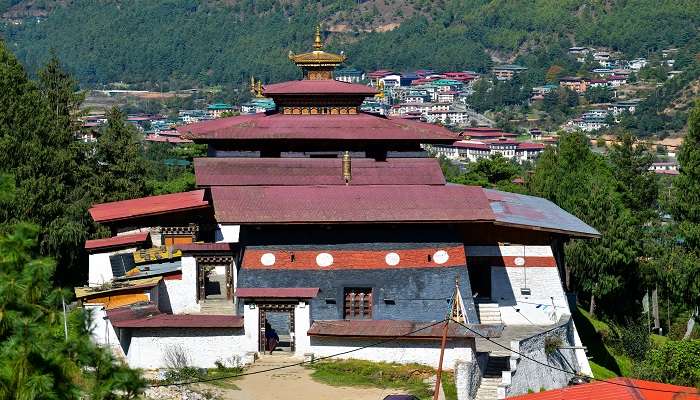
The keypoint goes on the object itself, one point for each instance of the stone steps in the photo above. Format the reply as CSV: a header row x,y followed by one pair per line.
x,y
216,307
488,389
489,313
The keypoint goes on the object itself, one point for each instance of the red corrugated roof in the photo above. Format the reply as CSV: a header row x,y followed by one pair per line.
x,y
395,328
117,241
204,247
471,145
633,389
278,293
316,127
530,146
321,86
315,171
350,204
146,206
182,321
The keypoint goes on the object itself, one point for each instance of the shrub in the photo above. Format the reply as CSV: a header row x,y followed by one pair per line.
x,y
676,362
635,340
551,344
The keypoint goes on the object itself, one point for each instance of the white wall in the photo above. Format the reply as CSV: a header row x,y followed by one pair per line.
x,y
302,323
426,352
101,330
251,320
204,346
180,296
99,269
546,303
227,233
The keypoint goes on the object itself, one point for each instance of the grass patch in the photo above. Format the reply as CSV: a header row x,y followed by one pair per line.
x,y
601,372
227,383
658,340
406,378
448,385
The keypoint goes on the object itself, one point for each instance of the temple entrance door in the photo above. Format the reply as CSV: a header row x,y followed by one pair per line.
x,y
280,316
480,279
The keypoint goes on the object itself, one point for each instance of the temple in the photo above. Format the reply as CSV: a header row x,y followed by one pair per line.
x,y
334,228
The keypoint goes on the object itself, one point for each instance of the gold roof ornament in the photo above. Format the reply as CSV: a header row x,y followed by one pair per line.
x,y
317,64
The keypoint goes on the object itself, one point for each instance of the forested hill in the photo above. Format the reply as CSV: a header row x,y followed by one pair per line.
x,y
190,42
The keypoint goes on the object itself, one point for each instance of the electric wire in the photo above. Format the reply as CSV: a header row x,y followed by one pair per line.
x,y
563,370
216,378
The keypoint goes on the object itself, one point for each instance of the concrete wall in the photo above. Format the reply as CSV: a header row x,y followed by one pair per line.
x,y
302,323
545,304
99,269
226,233
203,346
526,374
414,294
426,352
180,296
101,330
468,376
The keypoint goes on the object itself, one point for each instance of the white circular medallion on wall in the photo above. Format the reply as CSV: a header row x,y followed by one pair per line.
x,y
392,259
324,260
441,257
267,259
519,261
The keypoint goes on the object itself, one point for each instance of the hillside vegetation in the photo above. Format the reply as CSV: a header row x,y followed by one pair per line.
x,y
189,42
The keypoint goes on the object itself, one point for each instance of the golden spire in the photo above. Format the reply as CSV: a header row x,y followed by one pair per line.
x,y
259,90
252,85
318,43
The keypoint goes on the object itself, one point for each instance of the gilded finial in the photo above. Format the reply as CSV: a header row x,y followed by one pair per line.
x,y
259,90
252,85
318,43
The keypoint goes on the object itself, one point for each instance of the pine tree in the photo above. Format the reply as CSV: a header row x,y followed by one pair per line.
x,y
637,185
121,165
37,359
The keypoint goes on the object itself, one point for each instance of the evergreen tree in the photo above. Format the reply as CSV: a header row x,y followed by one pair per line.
x,y
583,184
636,184
121,168
37,359
40,151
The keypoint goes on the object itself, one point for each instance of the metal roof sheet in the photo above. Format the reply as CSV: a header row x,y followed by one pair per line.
x,y
619,389
349,204
116,241
361,126
315,171
115,287
535,212
395,328
278,293
145,206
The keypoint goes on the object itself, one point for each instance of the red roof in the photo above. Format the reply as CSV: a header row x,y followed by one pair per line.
x,y
530,146
482,129
316,127
616,389
465,144
204,247
182,321
278,293
350,204
315,171
146,206
380,73
395,328
117,241
322,86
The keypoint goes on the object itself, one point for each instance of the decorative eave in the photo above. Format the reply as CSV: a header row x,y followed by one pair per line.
x,y
317,58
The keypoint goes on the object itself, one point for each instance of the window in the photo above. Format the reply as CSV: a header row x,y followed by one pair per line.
x,y
358,303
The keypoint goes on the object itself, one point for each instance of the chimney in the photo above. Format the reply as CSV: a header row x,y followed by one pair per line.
x,y
347,167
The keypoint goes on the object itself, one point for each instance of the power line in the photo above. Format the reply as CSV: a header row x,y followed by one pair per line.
x,y
563,370
295,364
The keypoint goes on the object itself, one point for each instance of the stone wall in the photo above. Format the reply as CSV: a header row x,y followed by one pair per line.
x,y
468,376
526,374
398,294
203,346
180,296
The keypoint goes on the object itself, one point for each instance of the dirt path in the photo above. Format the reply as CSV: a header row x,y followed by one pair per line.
x,y
294,383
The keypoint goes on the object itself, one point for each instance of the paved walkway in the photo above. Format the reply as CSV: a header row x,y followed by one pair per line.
x,y
293,383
